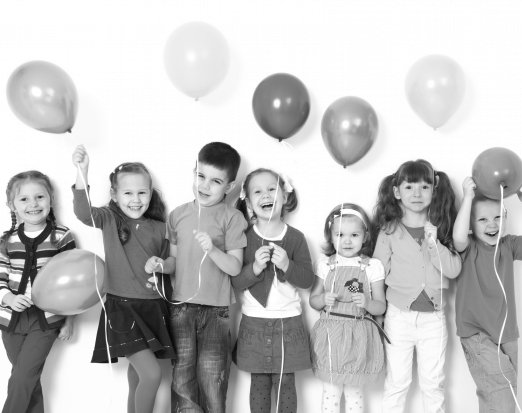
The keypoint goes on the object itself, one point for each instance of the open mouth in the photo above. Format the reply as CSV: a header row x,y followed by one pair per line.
x,y
267,206
491,234
33,212
135,208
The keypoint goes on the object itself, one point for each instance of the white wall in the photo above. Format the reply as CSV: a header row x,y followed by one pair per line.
x,y
129,110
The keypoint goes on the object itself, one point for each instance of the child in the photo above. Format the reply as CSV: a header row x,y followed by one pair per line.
x,y
415,212
272,341
207,238
29,332
133,228
347,349
480,305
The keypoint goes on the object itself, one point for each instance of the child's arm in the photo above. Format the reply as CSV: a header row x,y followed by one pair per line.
x,y
165,266
298,271
377,304
67,329
251,271
80,159
461,226
230,262
319,298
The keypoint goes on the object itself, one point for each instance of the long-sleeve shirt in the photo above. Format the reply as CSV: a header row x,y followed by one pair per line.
x,y
411,268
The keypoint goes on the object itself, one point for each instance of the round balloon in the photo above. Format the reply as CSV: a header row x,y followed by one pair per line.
x,y
349,128
435,87
495,167
43,96
281,105
66,284
196,58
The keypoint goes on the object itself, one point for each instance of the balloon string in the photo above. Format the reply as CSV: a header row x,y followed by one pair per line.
x,y
100,298
282,364
441,308
504,294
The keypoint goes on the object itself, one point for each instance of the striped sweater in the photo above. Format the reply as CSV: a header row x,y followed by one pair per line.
x,y
20,261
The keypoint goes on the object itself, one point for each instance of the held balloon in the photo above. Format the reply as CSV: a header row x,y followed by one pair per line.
x,y
66,284
435,87
196,58
281,105
349,128
43,96
495,167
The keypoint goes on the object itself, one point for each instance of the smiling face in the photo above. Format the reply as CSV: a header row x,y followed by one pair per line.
x,y
132,194
31,204
414,196
348,235
265,197
485,221
210,184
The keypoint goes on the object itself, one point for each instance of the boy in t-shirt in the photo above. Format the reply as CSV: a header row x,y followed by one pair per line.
x,y
207,240
480,305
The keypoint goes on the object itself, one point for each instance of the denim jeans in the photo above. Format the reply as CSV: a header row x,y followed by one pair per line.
x,y
201,337
494,394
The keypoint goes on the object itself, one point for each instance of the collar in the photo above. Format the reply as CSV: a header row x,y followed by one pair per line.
x,y
34,241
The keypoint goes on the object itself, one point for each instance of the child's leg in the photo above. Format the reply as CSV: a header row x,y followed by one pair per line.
x,y
288,395
148,370
260,393
214,357
431,355
133,380
331,402
353,399
27,354
400,326
494,394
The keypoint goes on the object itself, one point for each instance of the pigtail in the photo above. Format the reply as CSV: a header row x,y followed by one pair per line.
x,y
5,236
442,210
387,212
241,205
156,209
51,218
121,222
291,201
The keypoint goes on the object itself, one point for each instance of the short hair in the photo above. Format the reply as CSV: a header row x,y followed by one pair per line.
x,y
479,197
221,156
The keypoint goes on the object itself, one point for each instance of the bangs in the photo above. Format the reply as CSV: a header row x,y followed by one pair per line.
x,y
416,171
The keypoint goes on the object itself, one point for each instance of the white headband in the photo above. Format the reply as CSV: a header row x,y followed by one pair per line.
x,y
349,211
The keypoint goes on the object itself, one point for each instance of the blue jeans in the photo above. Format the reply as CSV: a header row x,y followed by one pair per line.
x,y
201,337
494,394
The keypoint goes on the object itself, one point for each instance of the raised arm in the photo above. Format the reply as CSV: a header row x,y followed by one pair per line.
x,y
461,226
80,159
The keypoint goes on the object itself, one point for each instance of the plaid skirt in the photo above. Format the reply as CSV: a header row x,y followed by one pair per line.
x,y
133,325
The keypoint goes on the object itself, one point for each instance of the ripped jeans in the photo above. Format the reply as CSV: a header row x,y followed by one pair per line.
x,y
201,337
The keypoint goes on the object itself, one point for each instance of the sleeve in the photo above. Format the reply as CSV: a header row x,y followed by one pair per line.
x,y
83,210
516,245
235,237
451,263
300,272
321,267
172,235
375,270
4,274
383,251
66,242
246,278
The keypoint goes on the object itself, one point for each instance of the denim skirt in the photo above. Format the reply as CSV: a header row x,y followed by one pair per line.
x,y
133,325
269,345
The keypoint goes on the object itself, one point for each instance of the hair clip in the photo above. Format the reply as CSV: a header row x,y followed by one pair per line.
x,y
287,186
242,193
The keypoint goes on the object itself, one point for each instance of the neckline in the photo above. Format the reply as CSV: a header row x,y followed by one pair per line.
x,y
38,239
278,237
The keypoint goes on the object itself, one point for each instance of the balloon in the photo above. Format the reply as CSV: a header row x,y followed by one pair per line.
x,y
43,96
495,167
349,128
196,58
435,88
66,284
281,105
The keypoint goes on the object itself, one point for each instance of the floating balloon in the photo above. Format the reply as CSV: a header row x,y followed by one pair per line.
x,y
435,88
349,128
495,167
43,96
196,58
281,105
66,285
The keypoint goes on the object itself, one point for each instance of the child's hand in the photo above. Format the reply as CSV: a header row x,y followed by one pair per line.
x,y
18,302
154,264
80,157
329,299
67,329
279,257
430,232
359,299
204,240
468,187
262,256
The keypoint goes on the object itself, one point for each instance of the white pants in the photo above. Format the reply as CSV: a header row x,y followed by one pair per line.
x,y
428,335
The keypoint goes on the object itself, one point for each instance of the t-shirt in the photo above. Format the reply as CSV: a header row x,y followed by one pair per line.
x,y
479,302
198,279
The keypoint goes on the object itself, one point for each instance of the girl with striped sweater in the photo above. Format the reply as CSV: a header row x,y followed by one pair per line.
x,y
28,332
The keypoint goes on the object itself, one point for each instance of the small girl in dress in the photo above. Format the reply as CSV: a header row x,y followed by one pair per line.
x,y
347,349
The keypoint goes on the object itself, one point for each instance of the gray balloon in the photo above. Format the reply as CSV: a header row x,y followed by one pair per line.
x,y
349,128
43,96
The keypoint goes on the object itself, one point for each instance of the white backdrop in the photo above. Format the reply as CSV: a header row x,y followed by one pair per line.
x,y
129,110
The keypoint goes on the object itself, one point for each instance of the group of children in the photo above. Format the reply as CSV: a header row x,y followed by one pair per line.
x,y
170,281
